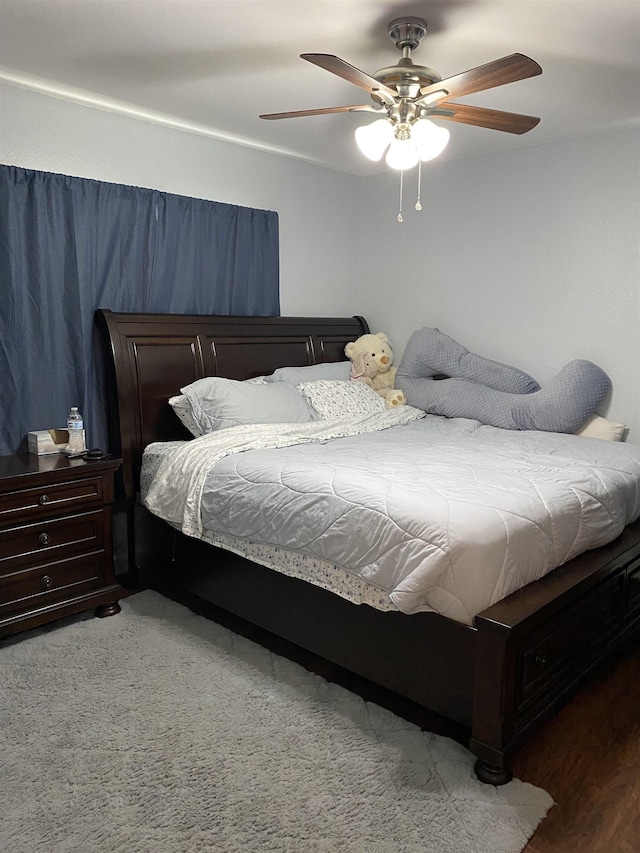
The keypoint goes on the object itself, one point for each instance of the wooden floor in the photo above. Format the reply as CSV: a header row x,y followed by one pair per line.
x,y
588,759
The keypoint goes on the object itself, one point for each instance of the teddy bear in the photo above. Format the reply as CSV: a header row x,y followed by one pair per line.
x,y
372,363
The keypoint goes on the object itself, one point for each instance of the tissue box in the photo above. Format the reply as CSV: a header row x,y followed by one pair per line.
x,y
42,442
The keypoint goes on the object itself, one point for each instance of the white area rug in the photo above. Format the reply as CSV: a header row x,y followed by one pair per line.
x,y
158,731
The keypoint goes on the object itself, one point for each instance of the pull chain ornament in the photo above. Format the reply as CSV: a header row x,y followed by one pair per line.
x,y
418,202
399,216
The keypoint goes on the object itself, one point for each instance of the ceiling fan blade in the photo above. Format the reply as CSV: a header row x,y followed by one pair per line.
x,y
352,74
483,117
517,66
324,111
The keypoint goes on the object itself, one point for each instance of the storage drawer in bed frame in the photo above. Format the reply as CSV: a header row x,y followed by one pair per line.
x,y
538,655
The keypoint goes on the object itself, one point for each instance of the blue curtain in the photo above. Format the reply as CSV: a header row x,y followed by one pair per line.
x,y
71,245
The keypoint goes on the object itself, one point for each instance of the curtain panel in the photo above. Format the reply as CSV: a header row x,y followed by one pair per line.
x,y
71,245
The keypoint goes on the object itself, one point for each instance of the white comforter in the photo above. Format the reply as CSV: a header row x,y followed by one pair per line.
x,y
437,514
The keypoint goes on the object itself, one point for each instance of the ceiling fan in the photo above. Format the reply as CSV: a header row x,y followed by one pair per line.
x,y
406,96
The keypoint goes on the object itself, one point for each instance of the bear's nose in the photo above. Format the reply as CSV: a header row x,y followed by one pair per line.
x,y
384,359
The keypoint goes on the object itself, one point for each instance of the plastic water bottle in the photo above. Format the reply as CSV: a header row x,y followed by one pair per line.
x,y
75,425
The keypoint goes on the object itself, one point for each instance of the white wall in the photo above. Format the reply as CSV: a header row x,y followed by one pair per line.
x,y
318,264
530,257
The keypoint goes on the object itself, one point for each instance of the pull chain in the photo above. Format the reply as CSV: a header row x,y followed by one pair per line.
x,y
418,202
399,216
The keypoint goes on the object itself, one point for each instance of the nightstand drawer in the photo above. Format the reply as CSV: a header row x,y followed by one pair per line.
x,y
50,582
46,541
29,504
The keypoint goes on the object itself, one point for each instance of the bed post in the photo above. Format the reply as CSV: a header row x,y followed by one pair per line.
x,y
492,721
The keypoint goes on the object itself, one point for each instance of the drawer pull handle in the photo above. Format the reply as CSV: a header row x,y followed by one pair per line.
x,y
44,539
44,499
540,659
46,582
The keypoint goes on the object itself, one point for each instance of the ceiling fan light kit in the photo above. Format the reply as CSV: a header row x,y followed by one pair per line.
x,y
405,144
405,97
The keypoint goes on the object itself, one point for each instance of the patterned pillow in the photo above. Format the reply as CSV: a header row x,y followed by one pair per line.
x,y
182,407
339,400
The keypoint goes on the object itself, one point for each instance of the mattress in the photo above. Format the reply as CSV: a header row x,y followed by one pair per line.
x,y
399,511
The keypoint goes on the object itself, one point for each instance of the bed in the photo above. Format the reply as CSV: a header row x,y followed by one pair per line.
x,y
495,673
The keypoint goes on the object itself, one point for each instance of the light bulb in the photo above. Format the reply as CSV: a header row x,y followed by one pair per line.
x,y
429,139
402,154
372,139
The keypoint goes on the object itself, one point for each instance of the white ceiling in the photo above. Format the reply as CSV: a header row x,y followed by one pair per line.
x,y
217,64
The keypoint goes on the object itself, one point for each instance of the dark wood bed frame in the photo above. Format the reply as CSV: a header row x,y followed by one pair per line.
x,y
523,657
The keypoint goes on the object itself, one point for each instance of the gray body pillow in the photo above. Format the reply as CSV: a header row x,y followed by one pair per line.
x,y
494,393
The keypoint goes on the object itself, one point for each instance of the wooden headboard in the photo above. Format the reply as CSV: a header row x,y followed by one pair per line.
x,y
151,356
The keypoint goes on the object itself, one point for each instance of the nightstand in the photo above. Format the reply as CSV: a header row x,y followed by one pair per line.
x,y
56,541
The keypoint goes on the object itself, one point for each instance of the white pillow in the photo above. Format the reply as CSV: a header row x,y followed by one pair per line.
x,y
333,399
597,427
217,403
312,372
182,407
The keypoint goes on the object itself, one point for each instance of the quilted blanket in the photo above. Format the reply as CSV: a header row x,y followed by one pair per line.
x,y
435,513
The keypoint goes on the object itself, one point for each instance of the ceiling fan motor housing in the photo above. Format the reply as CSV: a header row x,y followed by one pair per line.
x,y
407,72
406,77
